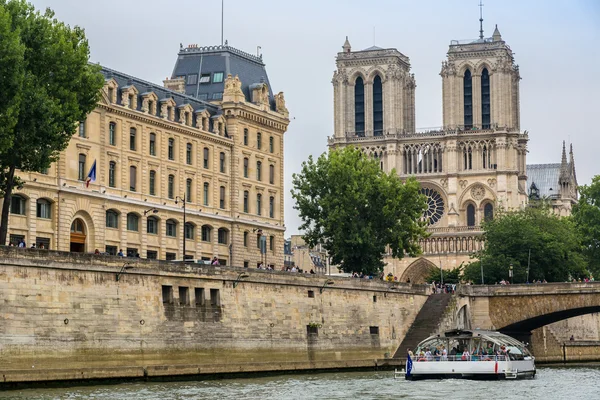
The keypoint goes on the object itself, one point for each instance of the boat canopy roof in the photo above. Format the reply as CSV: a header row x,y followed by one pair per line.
x,y
478,336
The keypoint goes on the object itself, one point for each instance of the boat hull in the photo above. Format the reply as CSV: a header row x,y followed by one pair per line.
x,y
477,370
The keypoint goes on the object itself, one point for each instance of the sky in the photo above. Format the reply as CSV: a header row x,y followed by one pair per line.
x,y
556,44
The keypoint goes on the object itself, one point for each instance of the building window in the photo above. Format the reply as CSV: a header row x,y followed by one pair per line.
x,y
167,294
112,134
112,219
246,194
199,296
171,228
374,330
271,243
151,255
468,100
189,231
111,250
359,107
152,144
222,197
271,174
171,149
152,183
188,154
258,170
152,225
132,178
485,99
222,162
258,239
312,330
171,186
205,78
223,236
271,207
245,136
377,106
184,296
217,77
258,140
44,209
81,171
470,215
205,194
245,167
206,232
132,139
112,170
192,79
271,144
259,204
82,129
245,239
170,256
188,190
488,212
205,154
133,222
17,205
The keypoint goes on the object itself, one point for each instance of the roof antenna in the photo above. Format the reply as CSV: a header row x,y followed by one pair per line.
x,y
222,14
480,19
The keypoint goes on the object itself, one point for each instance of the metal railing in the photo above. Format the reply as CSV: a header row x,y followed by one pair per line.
x,y
460,357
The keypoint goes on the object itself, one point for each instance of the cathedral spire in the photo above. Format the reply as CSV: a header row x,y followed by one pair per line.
x,y
480,19
572,165
564,167
496,37
347,48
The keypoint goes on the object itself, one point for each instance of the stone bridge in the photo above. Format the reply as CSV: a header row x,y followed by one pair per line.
x,y
519,309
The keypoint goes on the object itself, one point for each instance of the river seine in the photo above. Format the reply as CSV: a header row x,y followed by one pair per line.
x,y
549,384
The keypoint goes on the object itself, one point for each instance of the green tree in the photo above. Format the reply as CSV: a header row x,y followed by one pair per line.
x,y
59,88
356,210
586,214
450,275
554,242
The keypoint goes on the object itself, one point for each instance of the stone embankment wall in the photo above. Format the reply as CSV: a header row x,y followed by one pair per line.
x,y
66,316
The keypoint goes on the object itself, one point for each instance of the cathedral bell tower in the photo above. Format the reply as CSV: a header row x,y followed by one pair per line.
x,y
374,93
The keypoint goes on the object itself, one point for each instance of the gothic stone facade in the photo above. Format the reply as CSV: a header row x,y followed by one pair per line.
x,y
154,148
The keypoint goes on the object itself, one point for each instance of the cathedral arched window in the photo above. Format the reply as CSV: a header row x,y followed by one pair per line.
x,y
488,212
470,215
359,107
485,99
468,99
377,106
468,158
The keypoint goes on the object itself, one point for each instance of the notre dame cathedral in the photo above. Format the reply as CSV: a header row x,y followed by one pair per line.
x,y
472,166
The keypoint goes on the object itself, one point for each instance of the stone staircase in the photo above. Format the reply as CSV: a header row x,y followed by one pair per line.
x,y
426,323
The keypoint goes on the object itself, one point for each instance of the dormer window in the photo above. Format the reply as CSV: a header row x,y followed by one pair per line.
x,y
131,102
205,78
111,94
217,77
192,79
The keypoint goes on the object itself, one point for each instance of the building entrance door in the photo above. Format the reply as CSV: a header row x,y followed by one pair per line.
x,y
77,236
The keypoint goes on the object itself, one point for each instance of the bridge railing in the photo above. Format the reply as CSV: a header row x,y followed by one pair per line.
x,y
528,289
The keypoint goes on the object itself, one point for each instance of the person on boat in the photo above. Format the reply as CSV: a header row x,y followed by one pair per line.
x,y
428,355
410,353
465,355
444,354
453,353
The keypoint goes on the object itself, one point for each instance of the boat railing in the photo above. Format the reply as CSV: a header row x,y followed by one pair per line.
x,y
460,357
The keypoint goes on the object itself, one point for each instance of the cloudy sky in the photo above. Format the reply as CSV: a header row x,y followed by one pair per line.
x,y
556,44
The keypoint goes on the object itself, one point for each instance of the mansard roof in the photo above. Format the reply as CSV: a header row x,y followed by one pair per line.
x,y
545,178
194,60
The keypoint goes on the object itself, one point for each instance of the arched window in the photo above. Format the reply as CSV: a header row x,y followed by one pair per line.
x,y
205,154
271,207
485,99
259,204
112,219
81,170
188,154
171,186
171,226
377,106
488,211
359,107
133,222
78,226
132,133
112,170
44,209
470,215
189,231
152,146
152,183
245,167
468,158
206,233
205,193
188,190
152,225
271,174
258,170
171,149
112,133
132,178
468,99
246,194
222,162
223,236
17,205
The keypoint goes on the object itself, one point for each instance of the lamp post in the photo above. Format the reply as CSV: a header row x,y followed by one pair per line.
x,y
182,199
510,273
153,210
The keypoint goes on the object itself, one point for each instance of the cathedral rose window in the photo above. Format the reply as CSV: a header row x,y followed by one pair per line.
x,y
435,206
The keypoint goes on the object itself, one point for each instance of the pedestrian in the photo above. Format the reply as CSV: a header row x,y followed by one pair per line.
x,y
22,243
120,253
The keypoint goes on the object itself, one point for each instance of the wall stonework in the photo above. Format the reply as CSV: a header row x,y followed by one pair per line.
x,y
64,310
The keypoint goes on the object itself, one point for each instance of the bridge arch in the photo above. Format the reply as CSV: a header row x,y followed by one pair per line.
x,y
418,271
528,325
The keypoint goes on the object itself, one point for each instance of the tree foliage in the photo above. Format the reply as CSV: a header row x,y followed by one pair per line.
x,y
586,215
57,88
356,210
449,275
554,241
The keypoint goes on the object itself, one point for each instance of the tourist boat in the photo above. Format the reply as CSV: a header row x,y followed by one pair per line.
x,y
476,354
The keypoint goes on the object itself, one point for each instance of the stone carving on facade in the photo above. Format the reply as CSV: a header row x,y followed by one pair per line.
x,y
280,103
463,183
492,182
452,210
478,192
444,183
448,69
233,86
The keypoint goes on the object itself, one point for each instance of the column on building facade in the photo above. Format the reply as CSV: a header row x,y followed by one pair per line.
x,y
369,107
349,108
476,90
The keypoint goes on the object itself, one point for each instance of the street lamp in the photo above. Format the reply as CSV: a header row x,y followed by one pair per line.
x,y
510,273
153,210
125,267
182,199
325,284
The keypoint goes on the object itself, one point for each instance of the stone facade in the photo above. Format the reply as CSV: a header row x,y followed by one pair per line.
x,y
152,148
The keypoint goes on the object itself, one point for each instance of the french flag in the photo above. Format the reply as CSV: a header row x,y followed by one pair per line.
x,y
91,177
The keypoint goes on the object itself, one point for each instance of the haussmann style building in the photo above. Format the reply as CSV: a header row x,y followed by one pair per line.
x,y
200,158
